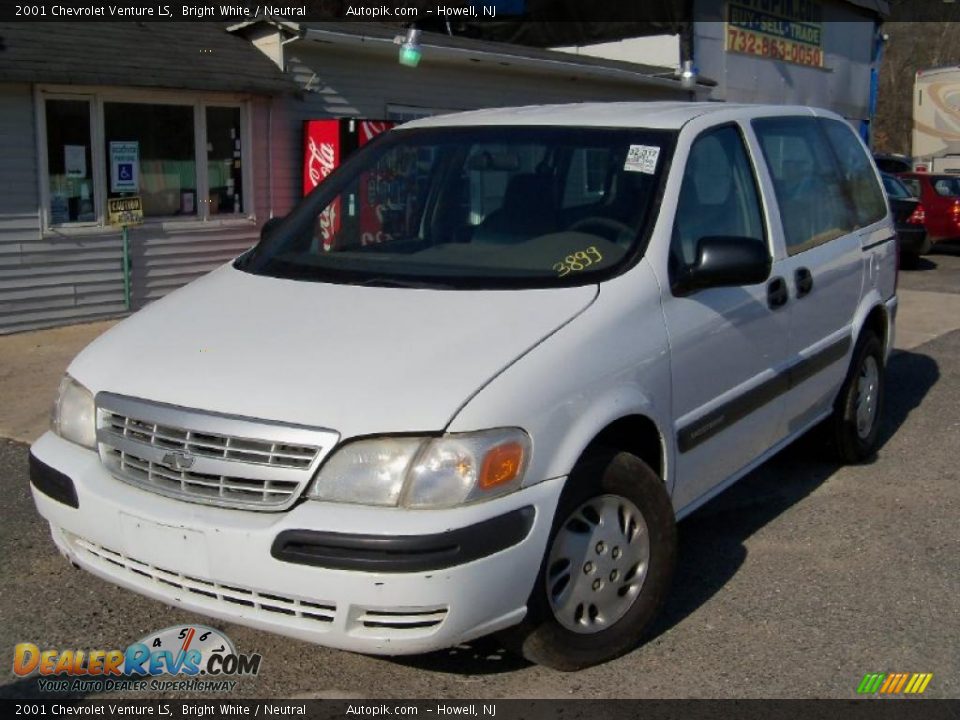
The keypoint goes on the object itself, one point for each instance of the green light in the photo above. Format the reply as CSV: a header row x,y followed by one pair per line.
x,y
410,55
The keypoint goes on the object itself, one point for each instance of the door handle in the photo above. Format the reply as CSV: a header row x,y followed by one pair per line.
x,y
804,282
777,294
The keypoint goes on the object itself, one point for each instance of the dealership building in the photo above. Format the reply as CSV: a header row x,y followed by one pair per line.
x,y
204,122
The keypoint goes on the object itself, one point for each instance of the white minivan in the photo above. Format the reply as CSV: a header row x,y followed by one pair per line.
x,y
470,383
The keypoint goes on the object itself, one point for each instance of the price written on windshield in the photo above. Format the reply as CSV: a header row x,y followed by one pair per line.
x,y
578,261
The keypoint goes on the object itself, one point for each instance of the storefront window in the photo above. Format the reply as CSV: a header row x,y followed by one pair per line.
x,y
150,152
69,162
224,169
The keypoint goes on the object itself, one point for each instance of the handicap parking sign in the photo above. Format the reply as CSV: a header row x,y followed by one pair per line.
x,y
124,166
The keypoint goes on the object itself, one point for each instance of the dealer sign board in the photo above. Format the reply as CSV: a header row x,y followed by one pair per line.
x,y
786,30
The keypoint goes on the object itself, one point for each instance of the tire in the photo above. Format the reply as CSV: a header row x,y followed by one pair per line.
x,y
855,423
602,493
909,261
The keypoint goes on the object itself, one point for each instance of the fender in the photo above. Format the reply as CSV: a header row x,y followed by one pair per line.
x,y
602,366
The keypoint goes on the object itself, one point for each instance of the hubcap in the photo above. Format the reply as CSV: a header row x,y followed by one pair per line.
x,y
597,564
868,384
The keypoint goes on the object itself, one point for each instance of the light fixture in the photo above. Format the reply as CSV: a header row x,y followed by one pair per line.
x,y
410,49
688,74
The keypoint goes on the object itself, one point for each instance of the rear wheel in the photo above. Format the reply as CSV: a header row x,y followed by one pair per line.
x,y
855,424
607,568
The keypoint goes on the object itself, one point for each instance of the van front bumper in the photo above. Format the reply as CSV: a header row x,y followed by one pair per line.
x,y
366,579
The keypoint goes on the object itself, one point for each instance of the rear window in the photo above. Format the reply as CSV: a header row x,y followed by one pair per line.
x,y
895,188
913,185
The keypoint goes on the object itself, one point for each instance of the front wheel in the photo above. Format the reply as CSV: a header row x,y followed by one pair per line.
x,y
607,568
855,424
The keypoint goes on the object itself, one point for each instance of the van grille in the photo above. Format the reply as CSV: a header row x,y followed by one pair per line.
x,y
217,488
211,444
206,457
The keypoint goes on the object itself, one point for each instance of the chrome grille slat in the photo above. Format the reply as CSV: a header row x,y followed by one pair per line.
x,y
207,458
210,445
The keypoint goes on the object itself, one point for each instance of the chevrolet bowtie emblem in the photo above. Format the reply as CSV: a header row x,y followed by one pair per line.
x,y
178,460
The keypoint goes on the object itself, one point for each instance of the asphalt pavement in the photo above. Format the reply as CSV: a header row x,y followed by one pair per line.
x,y
795,583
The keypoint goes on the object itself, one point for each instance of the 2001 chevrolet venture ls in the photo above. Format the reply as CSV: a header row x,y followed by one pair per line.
x,y
470,382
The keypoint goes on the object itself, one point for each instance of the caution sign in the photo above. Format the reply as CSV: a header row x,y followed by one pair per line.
x,y
125,211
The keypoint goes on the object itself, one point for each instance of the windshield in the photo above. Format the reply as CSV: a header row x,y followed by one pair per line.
x,y
475,207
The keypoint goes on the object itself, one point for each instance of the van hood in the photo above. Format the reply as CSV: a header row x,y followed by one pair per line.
x,y
357,360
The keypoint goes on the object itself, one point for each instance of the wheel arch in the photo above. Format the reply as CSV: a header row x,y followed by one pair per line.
x,y
873,316
637,434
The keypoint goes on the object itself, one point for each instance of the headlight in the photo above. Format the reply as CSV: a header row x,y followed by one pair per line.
x,y
74,416
419,472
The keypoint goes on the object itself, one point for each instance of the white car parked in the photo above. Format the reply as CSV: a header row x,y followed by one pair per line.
x,y
470,383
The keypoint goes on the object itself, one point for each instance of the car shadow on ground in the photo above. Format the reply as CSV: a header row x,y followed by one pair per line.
x,y
921,264
711,541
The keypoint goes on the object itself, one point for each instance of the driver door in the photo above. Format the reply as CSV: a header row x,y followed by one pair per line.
x,y
727,344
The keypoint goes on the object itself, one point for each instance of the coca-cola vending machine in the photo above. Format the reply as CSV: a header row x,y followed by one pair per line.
x,y
326,144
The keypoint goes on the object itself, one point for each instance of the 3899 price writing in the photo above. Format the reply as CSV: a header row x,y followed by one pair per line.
x,y
578,261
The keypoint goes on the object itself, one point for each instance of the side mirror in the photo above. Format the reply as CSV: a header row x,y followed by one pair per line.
x,y
724,261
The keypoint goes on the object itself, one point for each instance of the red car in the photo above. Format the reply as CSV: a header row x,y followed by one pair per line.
x,y
940,196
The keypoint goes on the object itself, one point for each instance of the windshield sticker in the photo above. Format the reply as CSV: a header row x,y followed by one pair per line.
x,y
642,158
580,260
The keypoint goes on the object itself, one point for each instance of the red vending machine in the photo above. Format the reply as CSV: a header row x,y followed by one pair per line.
x,y
326,144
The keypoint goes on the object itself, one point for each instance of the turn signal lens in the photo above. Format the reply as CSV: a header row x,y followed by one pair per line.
x,y
501,465
918,216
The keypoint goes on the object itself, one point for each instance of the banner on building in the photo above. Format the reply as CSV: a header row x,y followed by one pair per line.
x,y
786,30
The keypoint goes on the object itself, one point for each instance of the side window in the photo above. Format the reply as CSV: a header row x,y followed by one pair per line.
x,y
857,171
718,196
813,205
947,187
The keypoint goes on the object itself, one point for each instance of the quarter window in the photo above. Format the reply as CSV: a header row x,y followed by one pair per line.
x,y
718,197
812,198
857,171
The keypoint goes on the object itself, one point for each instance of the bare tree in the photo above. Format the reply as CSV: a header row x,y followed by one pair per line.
x,y
911,46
